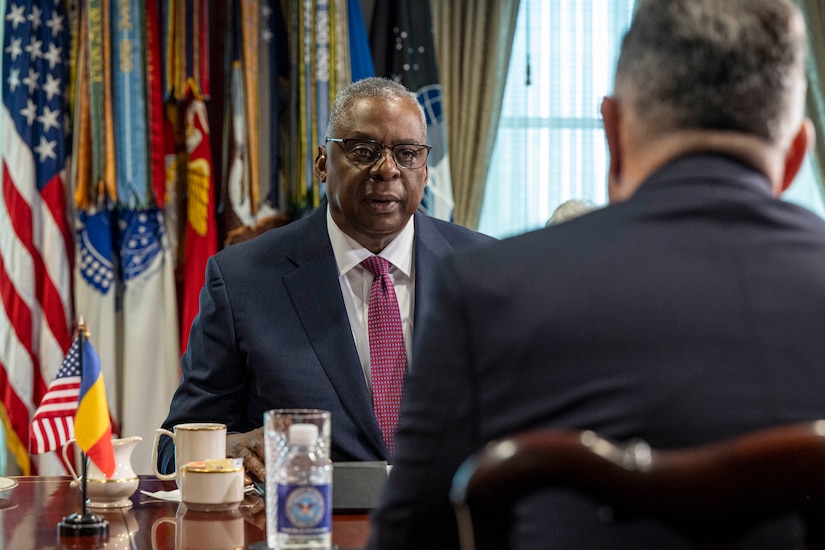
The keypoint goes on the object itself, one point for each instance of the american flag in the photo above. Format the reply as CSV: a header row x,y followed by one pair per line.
x,y
53,422
36,243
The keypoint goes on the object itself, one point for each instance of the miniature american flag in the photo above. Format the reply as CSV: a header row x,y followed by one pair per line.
x,y
53,422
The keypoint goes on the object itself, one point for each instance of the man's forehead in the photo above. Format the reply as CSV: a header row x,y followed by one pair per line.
x,y
364,114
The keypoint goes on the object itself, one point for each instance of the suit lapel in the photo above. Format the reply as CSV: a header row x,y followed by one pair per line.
x,y
316,296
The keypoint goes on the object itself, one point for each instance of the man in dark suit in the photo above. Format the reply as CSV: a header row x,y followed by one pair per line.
x,y
688,310
283,317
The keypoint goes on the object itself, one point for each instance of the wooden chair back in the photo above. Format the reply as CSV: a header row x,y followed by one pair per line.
x,y
711,493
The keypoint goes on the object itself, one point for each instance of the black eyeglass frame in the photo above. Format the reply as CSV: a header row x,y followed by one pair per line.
x,y
392,148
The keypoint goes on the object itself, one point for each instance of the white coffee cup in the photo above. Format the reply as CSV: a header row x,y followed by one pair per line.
x,y
212,485
194,441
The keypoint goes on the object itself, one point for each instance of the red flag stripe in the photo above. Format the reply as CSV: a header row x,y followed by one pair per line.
x,y
54,201
19,311
46,334
51,433
18,390
52,271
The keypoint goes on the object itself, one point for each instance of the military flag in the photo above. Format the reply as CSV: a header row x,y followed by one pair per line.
x,y
201,230
150,325
403,48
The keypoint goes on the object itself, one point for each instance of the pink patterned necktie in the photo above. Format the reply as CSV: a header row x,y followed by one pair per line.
x,y
388,356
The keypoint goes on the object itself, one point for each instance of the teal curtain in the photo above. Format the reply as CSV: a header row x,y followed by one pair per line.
x,y
550,145
814,11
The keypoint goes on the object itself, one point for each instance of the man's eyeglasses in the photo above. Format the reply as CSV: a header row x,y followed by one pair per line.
x,y
366,152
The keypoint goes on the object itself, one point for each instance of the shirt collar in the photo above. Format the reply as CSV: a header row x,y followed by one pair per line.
x,y
349,253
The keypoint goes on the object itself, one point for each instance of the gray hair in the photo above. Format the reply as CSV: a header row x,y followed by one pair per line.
x,y
570,209
368,87
736,65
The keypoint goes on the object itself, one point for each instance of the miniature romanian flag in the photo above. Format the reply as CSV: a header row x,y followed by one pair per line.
x,y
92,425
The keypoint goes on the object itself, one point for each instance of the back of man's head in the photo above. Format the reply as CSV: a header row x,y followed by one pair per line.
x,y
729,65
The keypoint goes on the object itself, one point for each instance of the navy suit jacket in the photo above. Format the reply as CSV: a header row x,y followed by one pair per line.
x,y
691,312
273,332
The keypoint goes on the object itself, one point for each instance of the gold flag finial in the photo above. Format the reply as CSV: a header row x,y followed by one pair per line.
x,y
82,328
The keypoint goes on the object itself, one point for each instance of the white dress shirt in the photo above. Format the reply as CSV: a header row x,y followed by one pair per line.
x,y
356,281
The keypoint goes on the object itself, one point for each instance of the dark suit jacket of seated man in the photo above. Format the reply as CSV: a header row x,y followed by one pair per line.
x,y
688,310
273,329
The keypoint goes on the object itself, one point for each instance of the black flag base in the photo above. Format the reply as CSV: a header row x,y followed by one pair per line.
x,y
94,528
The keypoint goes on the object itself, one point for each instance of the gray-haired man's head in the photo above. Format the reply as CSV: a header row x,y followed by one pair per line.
x,y
730,65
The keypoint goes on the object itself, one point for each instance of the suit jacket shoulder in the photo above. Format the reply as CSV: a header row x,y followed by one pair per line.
x,y
293,243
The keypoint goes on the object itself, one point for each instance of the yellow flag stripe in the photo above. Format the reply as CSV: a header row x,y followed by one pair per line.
x,y
92,417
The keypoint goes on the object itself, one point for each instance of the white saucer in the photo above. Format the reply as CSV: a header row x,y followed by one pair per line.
x,y
117,504
211,506
7,483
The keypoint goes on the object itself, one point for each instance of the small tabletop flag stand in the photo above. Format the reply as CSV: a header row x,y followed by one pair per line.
x,y
84,524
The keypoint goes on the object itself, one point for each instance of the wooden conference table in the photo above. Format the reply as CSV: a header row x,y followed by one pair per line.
x,y
30,513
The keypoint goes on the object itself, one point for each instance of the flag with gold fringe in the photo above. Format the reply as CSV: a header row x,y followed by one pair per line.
x,y
201,230
36,246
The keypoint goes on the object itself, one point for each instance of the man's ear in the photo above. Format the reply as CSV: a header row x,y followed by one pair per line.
x,y
802,142
611,117
320,164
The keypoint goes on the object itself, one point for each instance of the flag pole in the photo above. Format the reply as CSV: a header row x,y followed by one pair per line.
x,y
85,524
81,336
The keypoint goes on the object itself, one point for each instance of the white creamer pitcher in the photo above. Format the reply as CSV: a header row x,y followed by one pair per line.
x,y
116,491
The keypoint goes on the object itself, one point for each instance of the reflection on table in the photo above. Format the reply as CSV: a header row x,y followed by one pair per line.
x,y
31,511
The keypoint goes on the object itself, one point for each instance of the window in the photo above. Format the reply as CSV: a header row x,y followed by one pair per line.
x,y
806,190
550,145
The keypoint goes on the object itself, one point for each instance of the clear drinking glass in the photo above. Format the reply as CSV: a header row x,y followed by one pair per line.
x,y
276,428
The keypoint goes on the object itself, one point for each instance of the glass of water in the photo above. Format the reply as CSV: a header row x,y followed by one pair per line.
x,y
276,430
